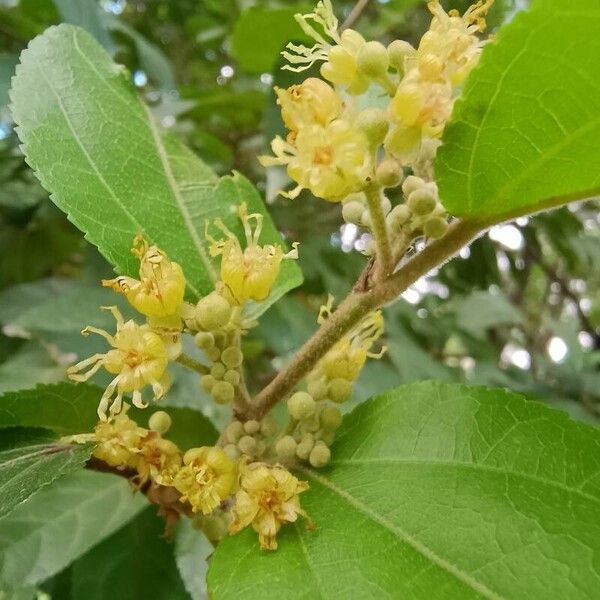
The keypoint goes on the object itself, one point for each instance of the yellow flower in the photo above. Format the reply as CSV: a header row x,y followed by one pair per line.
x,y
267,498
138,357
331,161
158,459
248,274
206,478
311,102
160,289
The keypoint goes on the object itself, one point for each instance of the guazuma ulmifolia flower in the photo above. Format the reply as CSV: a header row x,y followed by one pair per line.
x,y
267,498
249,273
138,358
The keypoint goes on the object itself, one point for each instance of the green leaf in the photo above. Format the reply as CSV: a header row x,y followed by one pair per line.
x,y
68,409
525,135
437,491
482,310
275,26
119,176
31,459
135,562
192,550
61,523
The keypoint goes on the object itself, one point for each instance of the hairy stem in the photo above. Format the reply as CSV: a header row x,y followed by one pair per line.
x,y
384,264
193,364
359,304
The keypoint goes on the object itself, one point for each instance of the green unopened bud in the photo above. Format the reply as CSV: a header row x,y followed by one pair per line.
x,y
352,40
389,173
222,392
319,455
204,340
435,227
317,389
233,377
301,405
285,448
372,60
412,183
331,417
207,382
251,427
352,211
160,421
374,124
232,357
303,449
398,51
340,389
234,431
213,354
268,426
231,451
246,444
218,370
213,312
422,201
398,216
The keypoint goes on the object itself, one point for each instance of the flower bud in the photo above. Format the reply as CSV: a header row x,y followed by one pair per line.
x,y
218,370
412,183
340,390
340,66
435,227
352,211
204,340
374,124
311,424
232,452
207,382
213,354
268,426
398,51
160,421
246,444
331,417
319,455
385,204
232,357
399,216
301,405
251,427
233,377
303,449
365,218
421,202
372,60
285,448
222,392
389,173
352,40
213,312
317,389
234,431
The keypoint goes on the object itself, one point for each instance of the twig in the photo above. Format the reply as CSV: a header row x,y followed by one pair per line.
x,y
354,14
384,265
193,364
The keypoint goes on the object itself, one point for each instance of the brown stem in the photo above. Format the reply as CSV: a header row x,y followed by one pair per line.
x,y
354,14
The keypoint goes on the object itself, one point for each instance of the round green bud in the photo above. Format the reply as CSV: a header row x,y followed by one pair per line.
x,y
372,60
213,354
389,173
232,357
365,219
317,389
305,446
246,444
204,340
399,215
231,451
421,202
251,427
268,426
373,122
213,312
331,417
234,431
218,370
301,405
320,455
160,421
207,382
285,448
222,392
340,389
412,183
220,339
386,205
233,377
435,227
398,51
352,211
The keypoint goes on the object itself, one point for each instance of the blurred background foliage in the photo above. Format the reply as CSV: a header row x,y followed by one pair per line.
x,y
520,308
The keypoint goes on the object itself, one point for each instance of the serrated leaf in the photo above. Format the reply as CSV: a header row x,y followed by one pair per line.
x,y
437,491
94,146
135,562
62,522
31,459
68,409
525,135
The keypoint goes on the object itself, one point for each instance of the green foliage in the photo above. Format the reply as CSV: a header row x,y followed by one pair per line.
x,y
523,136
31,459
192,551
448,491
